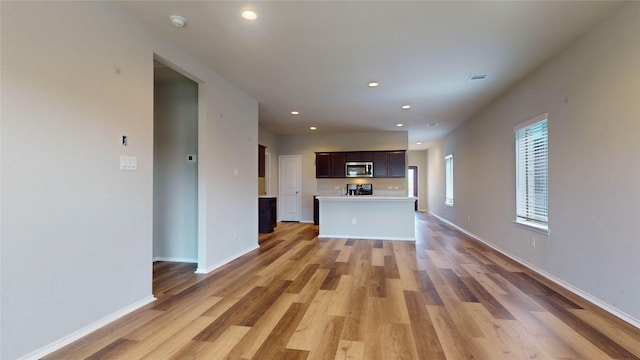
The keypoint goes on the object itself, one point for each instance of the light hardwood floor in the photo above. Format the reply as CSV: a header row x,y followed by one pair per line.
x,y
297,297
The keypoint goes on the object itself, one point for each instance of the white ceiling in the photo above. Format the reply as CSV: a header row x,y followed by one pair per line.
x,y
318,56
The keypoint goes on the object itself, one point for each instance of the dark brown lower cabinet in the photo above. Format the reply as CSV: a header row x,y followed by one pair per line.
x,y
316,210
267,214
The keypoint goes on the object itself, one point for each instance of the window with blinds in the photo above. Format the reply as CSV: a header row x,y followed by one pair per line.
x,y
448,180
532,195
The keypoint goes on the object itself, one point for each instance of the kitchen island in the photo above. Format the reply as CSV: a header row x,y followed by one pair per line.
x,y
367,217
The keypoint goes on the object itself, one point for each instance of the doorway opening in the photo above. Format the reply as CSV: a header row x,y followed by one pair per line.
x,y
413,184
175,166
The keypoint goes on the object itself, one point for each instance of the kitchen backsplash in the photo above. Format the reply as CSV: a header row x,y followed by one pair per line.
x,y
381,186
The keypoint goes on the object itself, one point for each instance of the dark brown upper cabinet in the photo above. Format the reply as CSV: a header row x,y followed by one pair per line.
x,y
352,156
261,152
323,165
380,164
365,155
386,164
397,164
337,165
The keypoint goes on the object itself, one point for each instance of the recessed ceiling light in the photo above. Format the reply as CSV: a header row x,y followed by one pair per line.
x,y
419,143
478,77
178,21
295,113
406,107
249,15
373,84
313,128
432,124
399,125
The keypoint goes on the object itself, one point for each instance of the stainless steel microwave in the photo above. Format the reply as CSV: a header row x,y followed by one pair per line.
x,y
359,169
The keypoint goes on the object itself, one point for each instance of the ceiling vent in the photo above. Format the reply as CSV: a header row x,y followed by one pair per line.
x,y
478,77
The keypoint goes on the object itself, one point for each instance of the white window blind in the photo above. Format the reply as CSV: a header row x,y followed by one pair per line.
x,y
448,180
532,199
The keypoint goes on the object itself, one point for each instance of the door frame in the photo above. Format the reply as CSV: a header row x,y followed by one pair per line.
x,y
202,155
416,190
298,159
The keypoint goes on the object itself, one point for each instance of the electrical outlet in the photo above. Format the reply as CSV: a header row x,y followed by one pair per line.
x,y
354,221
235,235
468,218
533,242
129,163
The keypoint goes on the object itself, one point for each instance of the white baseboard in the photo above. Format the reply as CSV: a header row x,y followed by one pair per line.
x,y
172,259
209,269
565,285
59,344
324,236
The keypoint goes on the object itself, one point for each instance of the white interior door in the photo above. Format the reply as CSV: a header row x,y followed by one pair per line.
x,y
289,194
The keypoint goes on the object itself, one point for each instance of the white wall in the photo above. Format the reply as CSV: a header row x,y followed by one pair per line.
x,y
175,181
592,94
308,144
77,231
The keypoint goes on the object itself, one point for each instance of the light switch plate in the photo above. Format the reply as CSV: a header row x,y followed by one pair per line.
x,y
129,163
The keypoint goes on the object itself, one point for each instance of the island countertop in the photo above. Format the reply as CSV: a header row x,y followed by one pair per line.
x,y
366,197
367,217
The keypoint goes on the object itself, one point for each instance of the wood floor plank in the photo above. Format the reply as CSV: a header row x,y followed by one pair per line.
x,y
454,345
611,328
289,354
162,325
345,254
396,309
169,347
341,296
326,348
262,329
312,287
490,303
391,267
466,324
299,297
302,279
500,338
458,286
583,347
377,282
542,334
588,332
101,338
113,350
246,311
353,330
278,338
311,327
427,344
350,350
218,349
333,277
377,257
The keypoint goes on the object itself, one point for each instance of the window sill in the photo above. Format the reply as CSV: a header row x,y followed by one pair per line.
x,y
449,204
533,226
